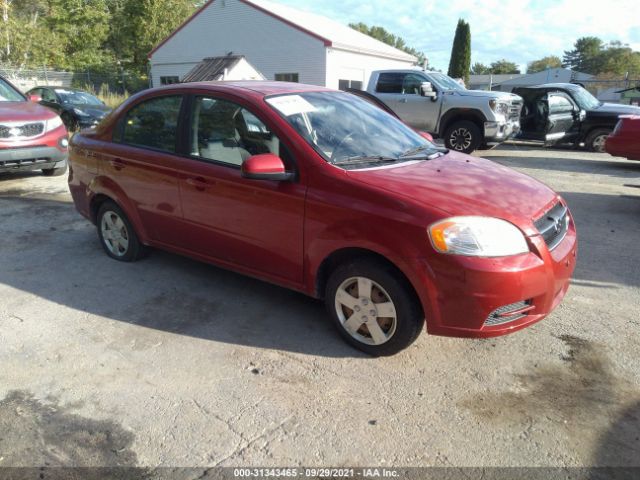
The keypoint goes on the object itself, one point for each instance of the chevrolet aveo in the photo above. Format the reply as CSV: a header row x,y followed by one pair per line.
x,y
322,192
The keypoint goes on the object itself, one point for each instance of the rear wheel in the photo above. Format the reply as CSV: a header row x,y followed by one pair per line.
x,y
116,233
596,140
463,136
373,308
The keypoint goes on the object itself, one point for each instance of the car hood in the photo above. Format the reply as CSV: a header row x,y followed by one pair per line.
x,y
486,94
24,112
617,109
459,184
97,111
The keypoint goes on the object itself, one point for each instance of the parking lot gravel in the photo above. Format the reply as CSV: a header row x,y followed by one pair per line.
x,y
170,362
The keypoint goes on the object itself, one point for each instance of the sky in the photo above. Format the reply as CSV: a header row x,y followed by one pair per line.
x,y
517,30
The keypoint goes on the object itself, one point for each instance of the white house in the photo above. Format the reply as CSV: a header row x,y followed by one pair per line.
x,y
281,42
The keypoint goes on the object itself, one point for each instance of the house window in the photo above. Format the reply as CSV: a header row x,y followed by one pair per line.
x,y
169,80
344,84
287,77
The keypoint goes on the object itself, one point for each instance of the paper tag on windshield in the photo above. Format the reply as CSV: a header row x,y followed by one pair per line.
x,y
291,105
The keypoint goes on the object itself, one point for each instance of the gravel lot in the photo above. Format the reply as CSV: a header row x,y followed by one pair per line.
x,y
169,362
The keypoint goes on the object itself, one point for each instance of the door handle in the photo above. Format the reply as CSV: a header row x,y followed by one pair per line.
x,y
403,100
198,183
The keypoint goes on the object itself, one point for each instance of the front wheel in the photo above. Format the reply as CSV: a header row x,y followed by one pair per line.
x,y
596,140
463,136
373,308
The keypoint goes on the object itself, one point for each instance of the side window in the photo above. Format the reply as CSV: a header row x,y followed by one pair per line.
x,y
345,84
48,96
153,124
225,132
559,104
411,84
169,80
390,82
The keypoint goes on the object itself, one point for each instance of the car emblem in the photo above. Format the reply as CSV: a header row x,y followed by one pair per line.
x,y
558,225
14,132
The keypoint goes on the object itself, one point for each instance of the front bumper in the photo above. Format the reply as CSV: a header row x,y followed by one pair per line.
x,y
497,132
31,158
461,295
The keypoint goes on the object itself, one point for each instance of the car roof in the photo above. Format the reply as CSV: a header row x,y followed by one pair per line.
x,y
549,85
258,86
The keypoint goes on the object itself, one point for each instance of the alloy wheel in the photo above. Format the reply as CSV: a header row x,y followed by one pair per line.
x,y
366,311
460,139
114,233
599,142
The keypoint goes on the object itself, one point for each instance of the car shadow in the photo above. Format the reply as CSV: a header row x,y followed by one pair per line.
x,y
50,251
617,455
608,233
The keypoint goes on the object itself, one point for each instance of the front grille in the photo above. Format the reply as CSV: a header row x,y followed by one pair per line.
x,y
554,225
497,317
26,130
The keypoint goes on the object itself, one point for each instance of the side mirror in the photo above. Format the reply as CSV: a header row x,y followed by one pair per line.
x,y
426,90
266,166
35,98
425,135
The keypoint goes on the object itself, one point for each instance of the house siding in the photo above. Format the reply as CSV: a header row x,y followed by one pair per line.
x,y
224,26
345,65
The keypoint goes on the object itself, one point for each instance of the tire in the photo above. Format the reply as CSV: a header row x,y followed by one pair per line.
x,y
394,332
595,140
463,136
117,236
54,172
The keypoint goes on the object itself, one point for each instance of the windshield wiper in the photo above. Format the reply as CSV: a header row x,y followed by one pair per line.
x,y
365,159
434,152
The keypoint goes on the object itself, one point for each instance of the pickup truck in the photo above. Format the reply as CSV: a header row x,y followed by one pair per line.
x,y
567,113
436,103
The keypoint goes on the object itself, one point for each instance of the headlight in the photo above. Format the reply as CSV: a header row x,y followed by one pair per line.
x,y
52,124
81,113
501,108
477,237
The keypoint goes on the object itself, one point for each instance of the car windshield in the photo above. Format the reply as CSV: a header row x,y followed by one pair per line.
x,y
9,94
74,97
348,131
584,99
445,82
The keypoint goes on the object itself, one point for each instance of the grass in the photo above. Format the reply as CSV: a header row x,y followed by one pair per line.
x,y
111,99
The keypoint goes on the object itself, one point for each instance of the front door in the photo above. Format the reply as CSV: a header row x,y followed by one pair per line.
x,y
401,92
254,224
561,117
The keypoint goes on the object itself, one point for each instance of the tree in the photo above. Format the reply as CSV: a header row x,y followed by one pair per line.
x,y
504,67
585,56
461,52
384,36
480,69
550,61
619,59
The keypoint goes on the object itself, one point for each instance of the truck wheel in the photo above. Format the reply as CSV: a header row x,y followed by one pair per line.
x,y
373,308
463,136
596,139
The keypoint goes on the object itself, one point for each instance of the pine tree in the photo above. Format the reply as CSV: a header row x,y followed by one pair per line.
x,y
460,62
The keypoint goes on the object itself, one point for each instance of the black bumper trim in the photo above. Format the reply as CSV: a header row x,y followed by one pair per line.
x,y
36,158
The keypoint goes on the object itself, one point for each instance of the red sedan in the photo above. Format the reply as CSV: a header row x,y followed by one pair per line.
x,y
625,139
322,192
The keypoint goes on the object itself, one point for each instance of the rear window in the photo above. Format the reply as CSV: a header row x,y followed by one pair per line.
x,y
9,94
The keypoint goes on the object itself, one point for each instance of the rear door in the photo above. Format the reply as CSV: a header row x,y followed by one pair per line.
x,y
561,118
401,92
141,161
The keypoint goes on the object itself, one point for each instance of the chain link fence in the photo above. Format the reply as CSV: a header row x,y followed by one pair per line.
x,y
117,81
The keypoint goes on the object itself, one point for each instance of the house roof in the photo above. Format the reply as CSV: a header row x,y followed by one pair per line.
x,y
333,34
211,69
